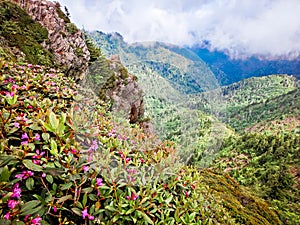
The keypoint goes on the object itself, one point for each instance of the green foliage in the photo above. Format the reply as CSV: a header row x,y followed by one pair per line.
x,y
71,28
61,14
59,140
268,164
250,101
95,51
22,32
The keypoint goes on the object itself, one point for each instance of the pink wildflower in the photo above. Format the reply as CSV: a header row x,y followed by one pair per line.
x,y
91,217
7,215
99,182
186,194
12,203
24,175
37,137
24,143
14,87
127,160
84,213
10,94
36,221
24,136
17,125
16,191
86,168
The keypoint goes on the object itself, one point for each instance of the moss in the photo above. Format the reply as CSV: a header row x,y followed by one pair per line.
x,y
71,28
79,52
62,15
20,31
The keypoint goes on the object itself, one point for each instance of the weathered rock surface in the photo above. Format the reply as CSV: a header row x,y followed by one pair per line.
x,y
65,40
126,94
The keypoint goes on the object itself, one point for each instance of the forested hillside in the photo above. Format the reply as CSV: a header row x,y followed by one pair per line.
x,y
67,156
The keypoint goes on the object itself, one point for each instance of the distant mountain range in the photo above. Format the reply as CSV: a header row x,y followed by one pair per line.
x,y
229,70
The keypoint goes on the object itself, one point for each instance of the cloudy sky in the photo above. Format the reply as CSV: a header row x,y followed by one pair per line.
x,y
270,27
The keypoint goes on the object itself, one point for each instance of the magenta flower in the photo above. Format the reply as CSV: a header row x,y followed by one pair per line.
x,y
55,209
142,160
84,213
24,143
24,175
24,136
133,197
29,65
36,221
91,217
37,157
12,203
17,125
10,94
127,160
7,215
44,175
37,137
99,182
122,155
16,191
14,87
85,168
186,194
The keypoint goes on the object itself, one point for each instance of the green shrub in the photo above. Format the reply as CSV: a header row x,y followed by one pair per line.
x,y
84,167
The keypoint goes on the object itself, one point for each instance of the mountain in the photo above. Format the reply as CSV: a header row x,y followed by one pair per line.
x,y
230,70
251,101
182,68
66,158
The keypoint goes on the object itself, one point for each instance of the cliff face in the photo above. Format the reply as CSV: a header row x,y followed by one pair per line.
x,y
66,42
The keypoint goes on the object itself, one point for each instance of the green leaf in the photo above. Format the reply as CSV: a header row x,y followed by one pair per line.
x,y
64,198
49,178
43,222
16,222
146,218
30,183
87,190
13,130
4,174
5,222
47,126
53,120
35,126
92,197
30,165
110,208
192,216
66,186
46,136
53,146
116,218
6,160
77,211
130,211
84,200
31,207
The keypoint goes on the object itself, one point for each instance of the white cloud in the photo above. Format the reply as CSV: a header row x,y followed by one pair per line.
x,y
270,27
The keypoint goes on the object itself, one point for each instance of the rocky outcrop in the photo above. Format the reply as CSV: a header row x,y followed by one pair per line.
x,y
65,40
126,94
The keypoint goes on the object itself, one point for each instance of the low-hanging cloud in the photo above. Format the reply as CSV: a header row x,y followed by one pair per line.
x,y
265,27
